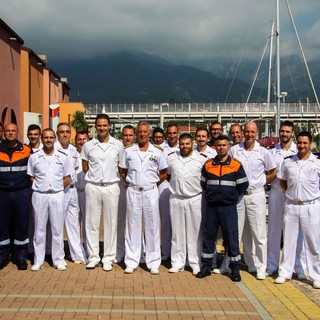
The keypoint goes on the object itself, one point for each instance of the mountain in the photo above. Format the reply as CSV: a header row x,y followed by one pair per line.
x,y
133,77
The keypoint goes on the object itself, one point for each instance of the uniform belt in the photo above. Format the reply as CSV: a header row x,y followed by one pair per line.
x,y
101,184
71,186
248,192
142,188
47,192
301,203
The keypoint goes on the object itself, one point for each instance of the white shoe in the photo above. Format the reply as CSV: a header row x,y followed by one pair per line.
x,y
107,266
79,262
280,280
36,267
261,275
65,262
175,270
270,272
316,284
61,267
223,270
195,271
154,271
129,270
91,265
301,276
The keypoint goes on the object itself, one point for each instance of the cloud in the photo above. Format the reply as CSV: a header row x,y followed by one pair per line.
x,y
178,30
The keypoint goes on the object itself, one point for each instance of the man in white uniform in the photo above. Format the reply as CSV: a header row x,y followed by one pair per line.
x,y
49,171
184,175
128,139
236,133
80,139
300,176
170,145
100,160
158,137
260,168
143,166
71,203
201,147
285,148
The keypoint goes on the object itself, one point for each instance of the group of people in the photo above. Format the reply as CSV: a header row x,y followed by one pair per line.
x,y
162,196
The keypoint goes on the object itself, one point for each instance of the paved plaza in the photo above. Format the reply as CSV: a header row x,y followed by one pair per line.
x,y
95,294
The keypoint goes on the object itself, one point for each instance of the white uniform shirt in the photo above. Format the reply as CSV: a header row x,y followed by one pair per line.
x,y
209,152
103,160
72,153
255,163
185,174
143,166
48,171
278,155
167,149
302,176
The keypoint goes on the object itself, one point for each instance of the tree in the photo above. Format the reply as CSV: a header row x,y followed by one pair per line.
x,y
78,122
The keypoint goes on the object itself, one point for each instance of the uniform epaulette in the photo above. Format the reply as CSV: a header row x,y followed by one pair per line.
x,y
128,146
204,155
35,151
158,147
171,153
288,157
62,152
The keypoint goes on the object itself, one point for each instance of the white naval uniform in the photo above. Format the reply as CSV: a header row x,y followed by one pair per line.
x,y
209,152
185,209
302,209
142,203
80,185
252,207
71,206
102,195
47,202
275,215
164,207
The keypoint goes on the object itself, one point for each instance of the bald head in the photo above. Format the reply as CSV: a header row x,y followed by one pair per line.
x,y
250,133
10,133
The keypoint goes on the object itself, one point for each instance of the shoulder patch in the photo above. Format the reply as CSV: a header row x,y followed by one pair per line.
x,y
288,157
158,147
62,152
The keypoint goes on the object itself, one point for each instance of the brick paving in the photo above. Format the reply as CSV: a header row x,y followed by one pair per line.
x,y
82,294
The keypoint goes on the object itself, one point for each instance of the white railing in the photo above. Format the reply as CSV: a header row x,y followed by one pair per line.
x,y
286,108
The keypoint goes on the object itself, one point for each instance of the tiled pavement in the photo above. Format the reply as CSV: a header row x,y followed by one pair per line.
x,y
81,294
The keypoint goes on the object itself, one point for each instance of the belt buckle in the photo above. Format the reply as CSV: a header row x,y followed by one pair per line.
x,y
300,202
102,184
49,191
141,189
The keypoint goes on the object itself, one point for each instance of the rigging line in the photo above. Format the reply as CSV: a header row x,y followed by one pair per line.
x,y
257,71
302,53
291,78
239,61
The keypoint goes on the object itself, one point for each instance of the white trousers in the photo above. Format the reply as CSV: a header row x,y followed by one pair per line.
x,y
275,226
254,230
48,207
103,200
164,207
82,219
71,211
142,205
186,242
308,218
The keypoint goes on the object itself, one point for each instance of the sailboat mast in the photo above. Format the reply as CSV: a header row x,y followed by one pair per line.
x,y
278,66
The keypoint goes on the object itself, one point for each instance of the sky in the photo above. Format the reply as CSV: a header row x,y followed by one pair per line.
x,y
176,30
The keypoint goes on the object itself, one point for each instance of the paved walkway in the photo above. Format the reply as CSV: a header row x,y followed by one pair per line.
x,y
81,294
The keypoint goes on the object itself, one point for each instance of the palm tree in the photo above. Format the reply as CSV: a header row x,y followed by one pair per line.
x,y
79,123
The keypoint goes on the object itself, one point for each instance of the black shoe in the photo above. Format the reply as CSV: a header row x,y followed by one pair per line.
x,y
235,277
203,273
22,265
3,264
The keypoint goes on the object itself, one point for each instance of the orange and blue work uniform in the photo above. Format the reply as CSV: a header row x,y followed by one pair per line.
x,y
223,183
14,199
